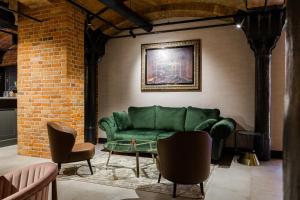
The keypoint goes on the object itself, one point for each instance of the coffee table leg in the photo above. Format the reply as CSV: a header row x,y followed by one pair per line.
x,y
137,165
108,158
153,157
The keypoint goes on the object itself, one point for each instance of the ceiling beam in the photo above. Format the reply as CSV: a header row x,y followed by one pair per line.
x,y
19,13
124,11
5,30
103,10
93,14
174,30
187,21
6,25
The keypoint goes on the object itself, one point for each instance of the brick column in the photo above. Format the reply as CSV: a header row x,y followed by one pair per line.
x,y
50,75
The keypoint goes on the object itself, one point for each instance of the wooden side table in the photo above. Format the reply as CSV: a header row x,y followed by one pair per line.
x,y
249,157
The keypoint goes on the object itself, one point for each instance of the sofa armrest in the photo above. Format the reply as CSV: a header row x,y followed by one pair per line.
x,y
223,128
108,125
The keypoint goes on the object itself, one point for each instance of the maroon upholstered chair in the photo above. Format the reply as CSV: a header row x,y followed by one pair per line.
x,y
63,148
184,158
29,183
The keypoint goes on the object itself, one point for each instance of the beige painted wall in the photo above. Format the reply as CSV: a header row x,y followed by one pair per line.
x,y
227,75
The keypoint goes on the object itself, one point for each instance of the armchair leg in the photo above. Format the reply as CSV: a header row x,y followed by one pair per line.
x,y
159,177
174,190
202,188
90,166
54,190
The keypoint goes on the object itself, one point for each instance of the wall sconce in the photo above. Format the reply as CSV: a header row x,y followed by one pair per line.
x,y
239,19
239,25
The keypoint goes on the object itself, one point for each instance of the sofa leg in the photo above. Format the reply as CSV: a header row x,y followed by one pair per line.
x,y
59,167
90,166
159,177
54,190
174,190
202,188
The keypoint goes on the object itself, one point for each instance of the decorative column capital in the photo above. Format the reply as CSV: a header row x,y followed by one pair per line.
x,y
262,27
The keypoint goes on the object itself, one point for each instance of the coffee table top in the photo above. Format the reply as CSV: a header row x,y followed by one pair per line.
x,y
132,146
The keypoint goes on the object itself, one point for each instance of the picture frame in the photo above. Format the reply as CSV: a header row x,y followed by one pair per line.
x,y
171,66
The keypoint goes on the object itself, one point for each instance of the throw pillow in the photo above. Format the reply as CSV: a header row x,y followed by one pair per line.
x,y
206,125
122,120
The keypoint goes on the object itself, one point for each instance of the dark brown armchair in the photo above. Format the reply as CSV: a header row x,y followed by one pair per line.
x,y
184,158
63,148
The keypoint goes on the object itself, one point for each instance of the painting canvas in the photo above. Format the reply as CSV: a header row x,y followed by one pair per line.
x,y
171,66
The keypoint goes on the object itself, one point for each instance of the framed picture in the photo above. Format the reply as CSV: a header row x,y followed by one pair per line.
x,y
171,66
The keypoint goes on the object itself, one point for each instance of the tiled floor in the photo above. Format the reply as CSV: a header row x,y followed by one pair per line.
x,y
235,183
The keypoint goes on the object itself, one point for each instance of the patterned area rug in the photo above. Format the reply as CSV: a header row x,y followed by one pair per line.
x,y
121,172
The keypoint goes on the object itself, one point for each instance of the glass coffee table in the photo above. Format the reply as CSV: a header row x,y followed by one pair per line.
x,y
132,146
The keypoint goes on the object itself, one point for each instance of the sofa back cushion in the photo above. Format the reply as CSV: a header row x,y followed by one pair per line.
x,y
194,116
170,118
142,117
122,120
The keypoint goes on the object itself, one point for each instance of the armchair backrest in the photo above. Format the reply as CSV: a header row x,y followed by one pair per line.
x,y
61,141
185,157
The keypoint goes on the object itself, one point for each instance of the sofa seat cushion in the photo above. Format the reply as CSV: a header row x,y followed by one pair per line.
x,y
195,116
164,135
138,134
83,151
142,117
170,118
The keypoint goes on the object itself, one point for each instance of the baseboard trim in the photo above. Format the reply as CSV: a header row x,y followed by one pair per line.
x,y
274,154
102,140
8,142
277,154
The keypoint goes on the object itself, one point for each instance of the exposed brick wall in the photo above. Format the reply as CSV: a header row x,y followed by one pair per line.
x,y
50,75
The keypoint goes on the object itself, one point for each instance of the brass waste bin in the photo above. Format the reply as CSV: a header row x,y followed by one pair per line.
x,y
249,157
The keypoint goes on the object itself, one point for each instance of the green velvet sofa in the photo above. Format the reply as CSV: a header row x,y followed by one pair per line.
x,y
157,122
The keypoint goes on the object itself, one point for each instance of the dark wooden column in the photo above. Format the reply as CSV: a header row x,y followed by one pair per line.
x,y
262,28
94,49
291,144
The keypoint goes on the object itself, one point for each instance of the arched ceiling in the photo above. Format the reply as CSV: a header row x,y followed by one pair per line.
x,y
150,10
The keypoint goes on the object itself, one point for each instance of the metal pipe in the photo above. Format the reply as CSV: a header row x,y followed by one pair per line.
x,y
173,30
93,14
4,31
127,13
20,13
186,21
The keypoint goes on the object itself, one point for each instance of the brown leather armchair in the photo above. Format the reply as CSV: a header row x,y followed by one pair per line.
x,y
184,158
63,148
